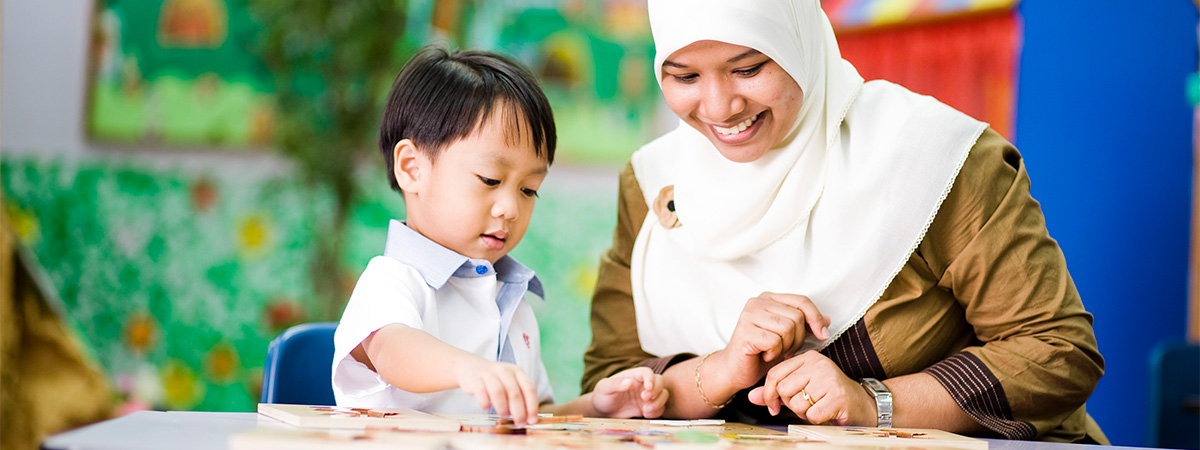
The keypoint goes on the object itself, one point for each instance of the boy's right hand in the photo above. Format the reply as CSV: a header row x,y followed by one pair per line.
x,y
500,386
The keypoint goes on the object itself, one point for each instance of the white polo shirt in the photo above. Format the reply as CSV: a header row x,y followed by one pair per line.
x,y
467,303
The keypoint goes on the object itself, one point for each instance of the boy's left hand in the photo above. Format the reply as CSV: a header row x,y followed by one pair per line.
x,y
637,392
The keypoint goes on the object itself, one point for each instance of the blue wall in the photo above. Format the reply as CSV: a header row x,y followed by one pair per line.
x,y
1105,128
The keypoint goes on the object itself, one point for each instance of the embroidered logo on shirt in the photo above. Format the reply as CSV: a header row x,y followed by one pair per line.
x,y
526,336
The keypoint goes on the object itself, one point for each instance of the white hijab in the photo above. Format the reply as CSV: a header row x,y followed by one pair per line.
x,y
833,213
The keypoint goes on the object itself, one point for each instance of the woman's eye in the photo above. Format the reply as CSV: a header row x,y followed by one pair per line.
x,y
529,192
751,71
685,78
488,181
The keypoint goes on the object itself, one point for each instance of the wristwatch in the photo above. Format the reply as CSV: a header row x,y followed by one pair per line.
x,y
883,400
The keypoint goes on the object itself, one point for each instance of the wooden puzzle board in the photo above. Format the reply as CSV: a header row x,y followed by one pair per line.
x,y
892,437
338,417
322,427
371,439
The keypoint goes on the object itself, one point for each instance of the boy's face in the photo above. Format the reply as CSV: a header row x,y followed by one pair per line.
x,y
478,196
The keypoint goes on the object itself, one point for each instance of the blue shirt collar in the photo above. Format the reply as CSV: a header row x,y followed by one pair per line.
x,y
437,264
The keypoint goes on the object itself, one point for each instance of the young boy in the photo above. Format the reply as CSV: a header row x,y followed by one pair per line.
x,y
438,323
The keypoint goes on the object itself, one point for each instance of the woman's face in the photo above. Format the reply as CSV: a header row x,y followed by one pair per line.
x,y
743,101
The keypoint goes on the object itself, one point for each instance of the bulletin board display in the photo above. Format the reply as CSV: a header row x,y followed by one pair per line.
x,y
846,15
170,74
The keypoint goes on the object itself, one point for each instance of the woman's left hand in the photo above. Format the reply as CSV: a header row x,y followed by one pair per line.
x,y
812,386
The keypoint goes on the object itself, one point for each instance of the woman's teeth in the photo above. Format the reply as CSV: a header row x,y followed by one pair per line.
x,y
737,128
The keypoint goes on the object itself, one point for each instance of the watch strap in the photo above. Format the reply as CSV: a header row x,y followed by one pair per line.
x,y
883,401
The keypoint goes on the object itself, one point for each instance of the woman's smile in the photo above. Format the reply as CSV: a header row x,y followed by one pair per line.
x,y
739,133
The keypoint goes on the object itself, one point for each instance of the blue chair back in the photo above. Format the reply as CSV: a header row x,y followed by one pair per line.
x,y
1175,396
299,363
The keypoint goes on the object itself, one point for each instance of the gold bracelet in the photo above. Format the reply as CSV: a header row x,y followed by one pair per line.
x,y
701,390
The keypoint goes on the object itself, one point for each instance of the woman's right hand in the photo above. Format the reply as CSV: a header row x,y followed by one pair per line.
x,y
770,328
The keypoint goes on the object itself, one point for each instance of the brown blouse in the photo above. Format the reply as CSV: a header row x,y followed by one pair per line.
x,y
985,305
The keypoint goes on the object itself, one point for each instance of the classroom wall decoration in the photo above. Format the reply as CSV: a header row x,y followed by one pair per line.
x,y
183,73
168,74
963,53
848,15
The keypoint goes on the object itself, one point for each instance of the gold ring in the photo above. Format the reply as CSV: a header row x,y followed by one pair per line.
x,y
806,397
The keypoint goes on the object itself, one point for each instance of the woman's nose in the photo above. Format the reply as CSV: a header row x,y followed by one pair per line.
x,y
719,102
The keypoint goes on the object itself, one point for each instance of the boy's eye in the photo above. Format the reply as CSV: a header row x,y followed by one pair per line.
x,y
751,71
529,192
488,181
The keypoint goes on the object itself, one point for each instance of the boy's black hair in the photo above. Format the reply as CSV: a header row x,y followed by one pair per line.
x,y
440,97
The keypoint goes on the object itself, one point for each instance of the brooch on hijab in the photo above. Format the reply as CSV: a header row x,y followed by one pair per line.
x,y
664,207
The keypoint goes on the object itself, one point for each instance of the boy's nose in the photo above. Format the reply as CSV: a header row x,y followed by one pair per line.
x,y
506,208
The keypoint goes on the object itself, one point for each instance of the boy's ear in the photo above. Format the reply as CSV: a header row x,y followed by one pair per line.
x,y
406,165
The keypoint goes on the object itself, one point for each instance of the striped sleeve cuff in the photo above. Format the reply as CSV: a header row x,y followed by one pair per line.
x,y
855,355
979,393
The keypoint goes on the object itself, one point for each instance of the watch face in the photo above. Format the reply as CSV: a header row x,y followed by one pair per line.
x,y
875,387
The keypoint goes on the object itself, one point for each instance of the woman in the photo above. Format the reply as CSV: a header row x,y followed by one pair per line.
x,y
803,232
